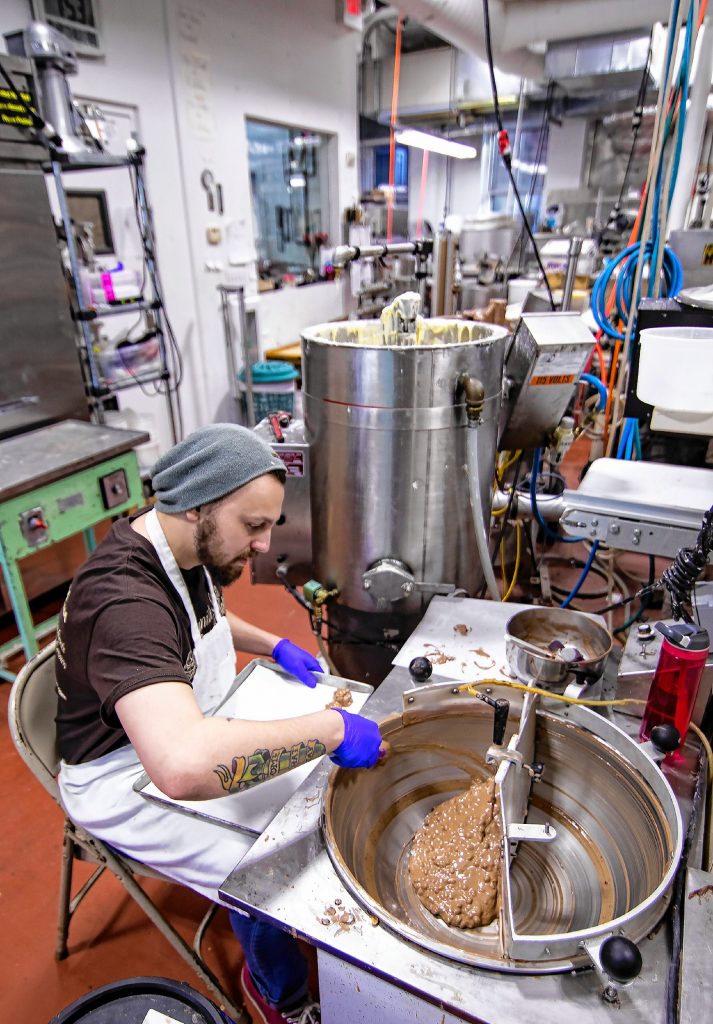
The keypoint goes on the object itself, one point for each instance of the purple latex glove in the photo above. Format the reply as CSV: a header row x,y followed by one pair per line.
x,y
296,661
361,743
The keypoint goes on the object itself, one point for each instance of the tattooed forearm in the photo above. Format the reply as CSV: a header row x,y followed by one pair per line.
x,y
244,772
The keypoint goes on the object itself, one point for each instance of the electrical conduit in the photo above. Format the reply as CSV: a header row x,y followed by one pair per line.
x,y
482,528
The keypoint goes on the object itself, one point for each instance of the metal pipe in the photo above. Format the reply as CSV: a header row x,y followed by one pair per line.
x,y
695,126
575,248
344,254
550,508
481,526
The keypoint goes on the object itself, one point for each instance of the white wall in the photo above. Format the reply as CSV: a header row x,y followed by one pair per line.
x,y
195,70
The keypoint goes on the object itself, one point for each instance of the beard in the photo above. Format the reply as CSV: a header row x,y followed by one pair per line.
x,y
208,550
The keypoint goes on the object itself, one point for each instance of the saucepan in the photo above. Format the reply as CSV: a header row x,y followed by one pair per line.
x,y
550,646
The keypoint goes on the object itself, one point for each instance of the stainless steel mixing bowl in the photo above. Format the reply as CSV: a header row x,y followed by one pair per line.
x,y
617,845
529,632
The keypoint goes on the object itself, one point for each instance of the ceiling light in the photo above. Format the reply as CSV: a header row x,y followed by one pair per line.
x,y
435,144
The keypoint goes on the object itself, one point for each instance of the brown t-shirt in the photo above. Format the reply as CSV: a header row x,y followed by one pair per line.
x,y
122,626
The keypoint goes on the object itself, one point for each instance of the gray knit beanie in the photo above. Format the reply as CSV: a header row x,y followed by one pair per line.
x,y
209,464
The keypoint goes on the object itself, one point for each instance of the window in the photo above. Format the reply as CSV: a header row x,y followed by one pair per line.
x,y
289,182
529,168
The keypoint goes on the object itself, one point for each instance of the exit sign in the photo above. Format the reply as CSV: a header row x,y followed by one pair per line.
x,y
349,13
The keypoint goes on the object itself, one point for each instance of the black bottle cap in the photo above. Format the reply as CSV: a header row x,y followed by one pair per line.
x,y
685,635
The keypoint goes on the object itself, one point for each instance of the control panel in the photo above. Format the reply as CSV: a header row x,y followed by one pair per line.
x,y
34,526
114,488
617,531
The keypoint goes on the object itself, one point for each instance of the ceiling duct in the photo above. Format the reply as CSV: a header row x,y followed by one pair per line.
x,y
518,26
579,66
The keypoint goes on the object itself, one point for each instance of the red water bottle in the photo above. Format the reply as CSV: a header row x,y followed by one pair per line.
x,y
674,687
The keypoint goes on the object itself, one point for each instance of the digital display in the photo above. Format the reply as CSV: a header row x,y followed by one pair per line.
x,y
80,12
14,107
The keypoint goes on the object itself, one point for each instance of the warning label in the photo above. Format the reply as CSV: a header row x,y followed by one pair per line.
x,y
14,108
562,378
294,461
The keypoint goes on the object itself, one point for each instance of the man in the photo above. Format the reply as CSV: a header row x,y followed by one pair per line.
x,y
146,651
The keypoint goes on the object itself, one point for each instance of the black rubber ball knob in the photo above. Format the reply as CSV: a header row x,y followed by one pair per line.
x,y
420,669
666,737
620,959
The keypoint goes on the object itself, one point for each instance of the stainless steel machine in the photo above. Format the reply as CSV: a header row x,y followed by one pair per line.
x,y
402,419
594,859
392,523
41,379
593,834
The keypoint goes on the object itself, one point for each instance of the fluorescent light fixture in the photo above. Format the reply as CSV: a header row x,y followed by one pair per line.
x,y
435,144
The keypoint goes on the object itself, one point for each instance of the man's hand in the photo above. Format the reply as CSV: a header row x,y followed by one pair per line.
x,y
361,746
296,661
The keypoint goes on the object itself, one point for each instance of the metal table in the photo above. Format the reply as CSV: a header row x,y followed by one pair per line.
x,y
55,482
369,973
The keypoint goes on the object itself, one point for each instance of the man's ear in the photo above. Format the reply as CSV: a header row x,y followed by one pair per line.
x,y
193,514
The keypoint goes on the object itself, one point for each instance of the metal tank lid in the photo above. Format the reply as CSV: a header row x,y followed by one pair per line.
x,y
402,326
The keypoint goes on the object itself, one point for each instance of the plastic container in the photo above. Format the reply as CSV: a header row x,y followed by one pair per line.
x,y
674,688
112,286
129,1002
121,362
273,387
676,368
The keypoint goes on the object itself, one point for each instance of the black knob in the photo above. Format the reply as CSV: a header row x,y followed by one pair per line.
x,y
420,669
620,958
666,737
500,720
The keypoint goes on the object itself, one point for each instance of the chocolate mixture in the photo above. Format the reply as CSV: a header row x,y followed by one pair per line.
x,y
455,858
341,698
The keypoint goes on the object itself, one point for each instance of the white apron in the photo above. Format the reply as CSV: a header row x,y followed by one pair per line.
x,y
99,794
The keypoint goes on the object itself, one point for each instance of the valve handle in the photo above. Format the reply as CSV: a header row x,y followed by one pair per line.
x,y
420,669
620,958
500,720
666,737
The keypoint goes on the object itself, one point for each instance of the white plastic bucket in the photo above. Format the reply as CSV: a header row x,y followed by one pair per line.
x,y
676,368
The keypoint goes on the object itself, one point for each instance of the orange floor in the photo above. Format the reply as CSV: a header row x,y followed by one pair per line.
x,y
110,937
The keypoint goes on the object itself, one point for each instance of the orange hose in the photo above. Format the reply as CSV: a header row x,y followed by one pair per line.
x,y
610,393
392,134
602,365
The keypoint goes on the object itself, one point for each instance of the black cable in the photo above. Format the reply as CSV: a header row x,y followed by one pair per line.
x,y
646,599
531,549
616,604
176,369
504,147
637,118
684,572
546,110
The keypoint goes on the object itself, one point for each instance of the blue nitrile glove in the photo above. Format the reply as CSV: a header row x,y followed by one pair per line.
x,y
296,661
361,743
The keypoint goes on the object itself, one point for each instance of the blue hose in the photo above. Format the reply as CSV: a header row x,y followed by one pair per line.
x,y
587,566
589,378
552,534
624,437
671,285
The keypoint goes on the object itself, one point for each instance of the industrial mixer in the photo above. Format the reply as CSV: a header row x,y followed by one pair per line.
x,y
402,420
593,832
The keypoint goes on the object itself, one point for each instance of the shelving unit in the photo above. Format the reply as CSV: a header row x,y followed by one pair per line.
x,y
98,385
